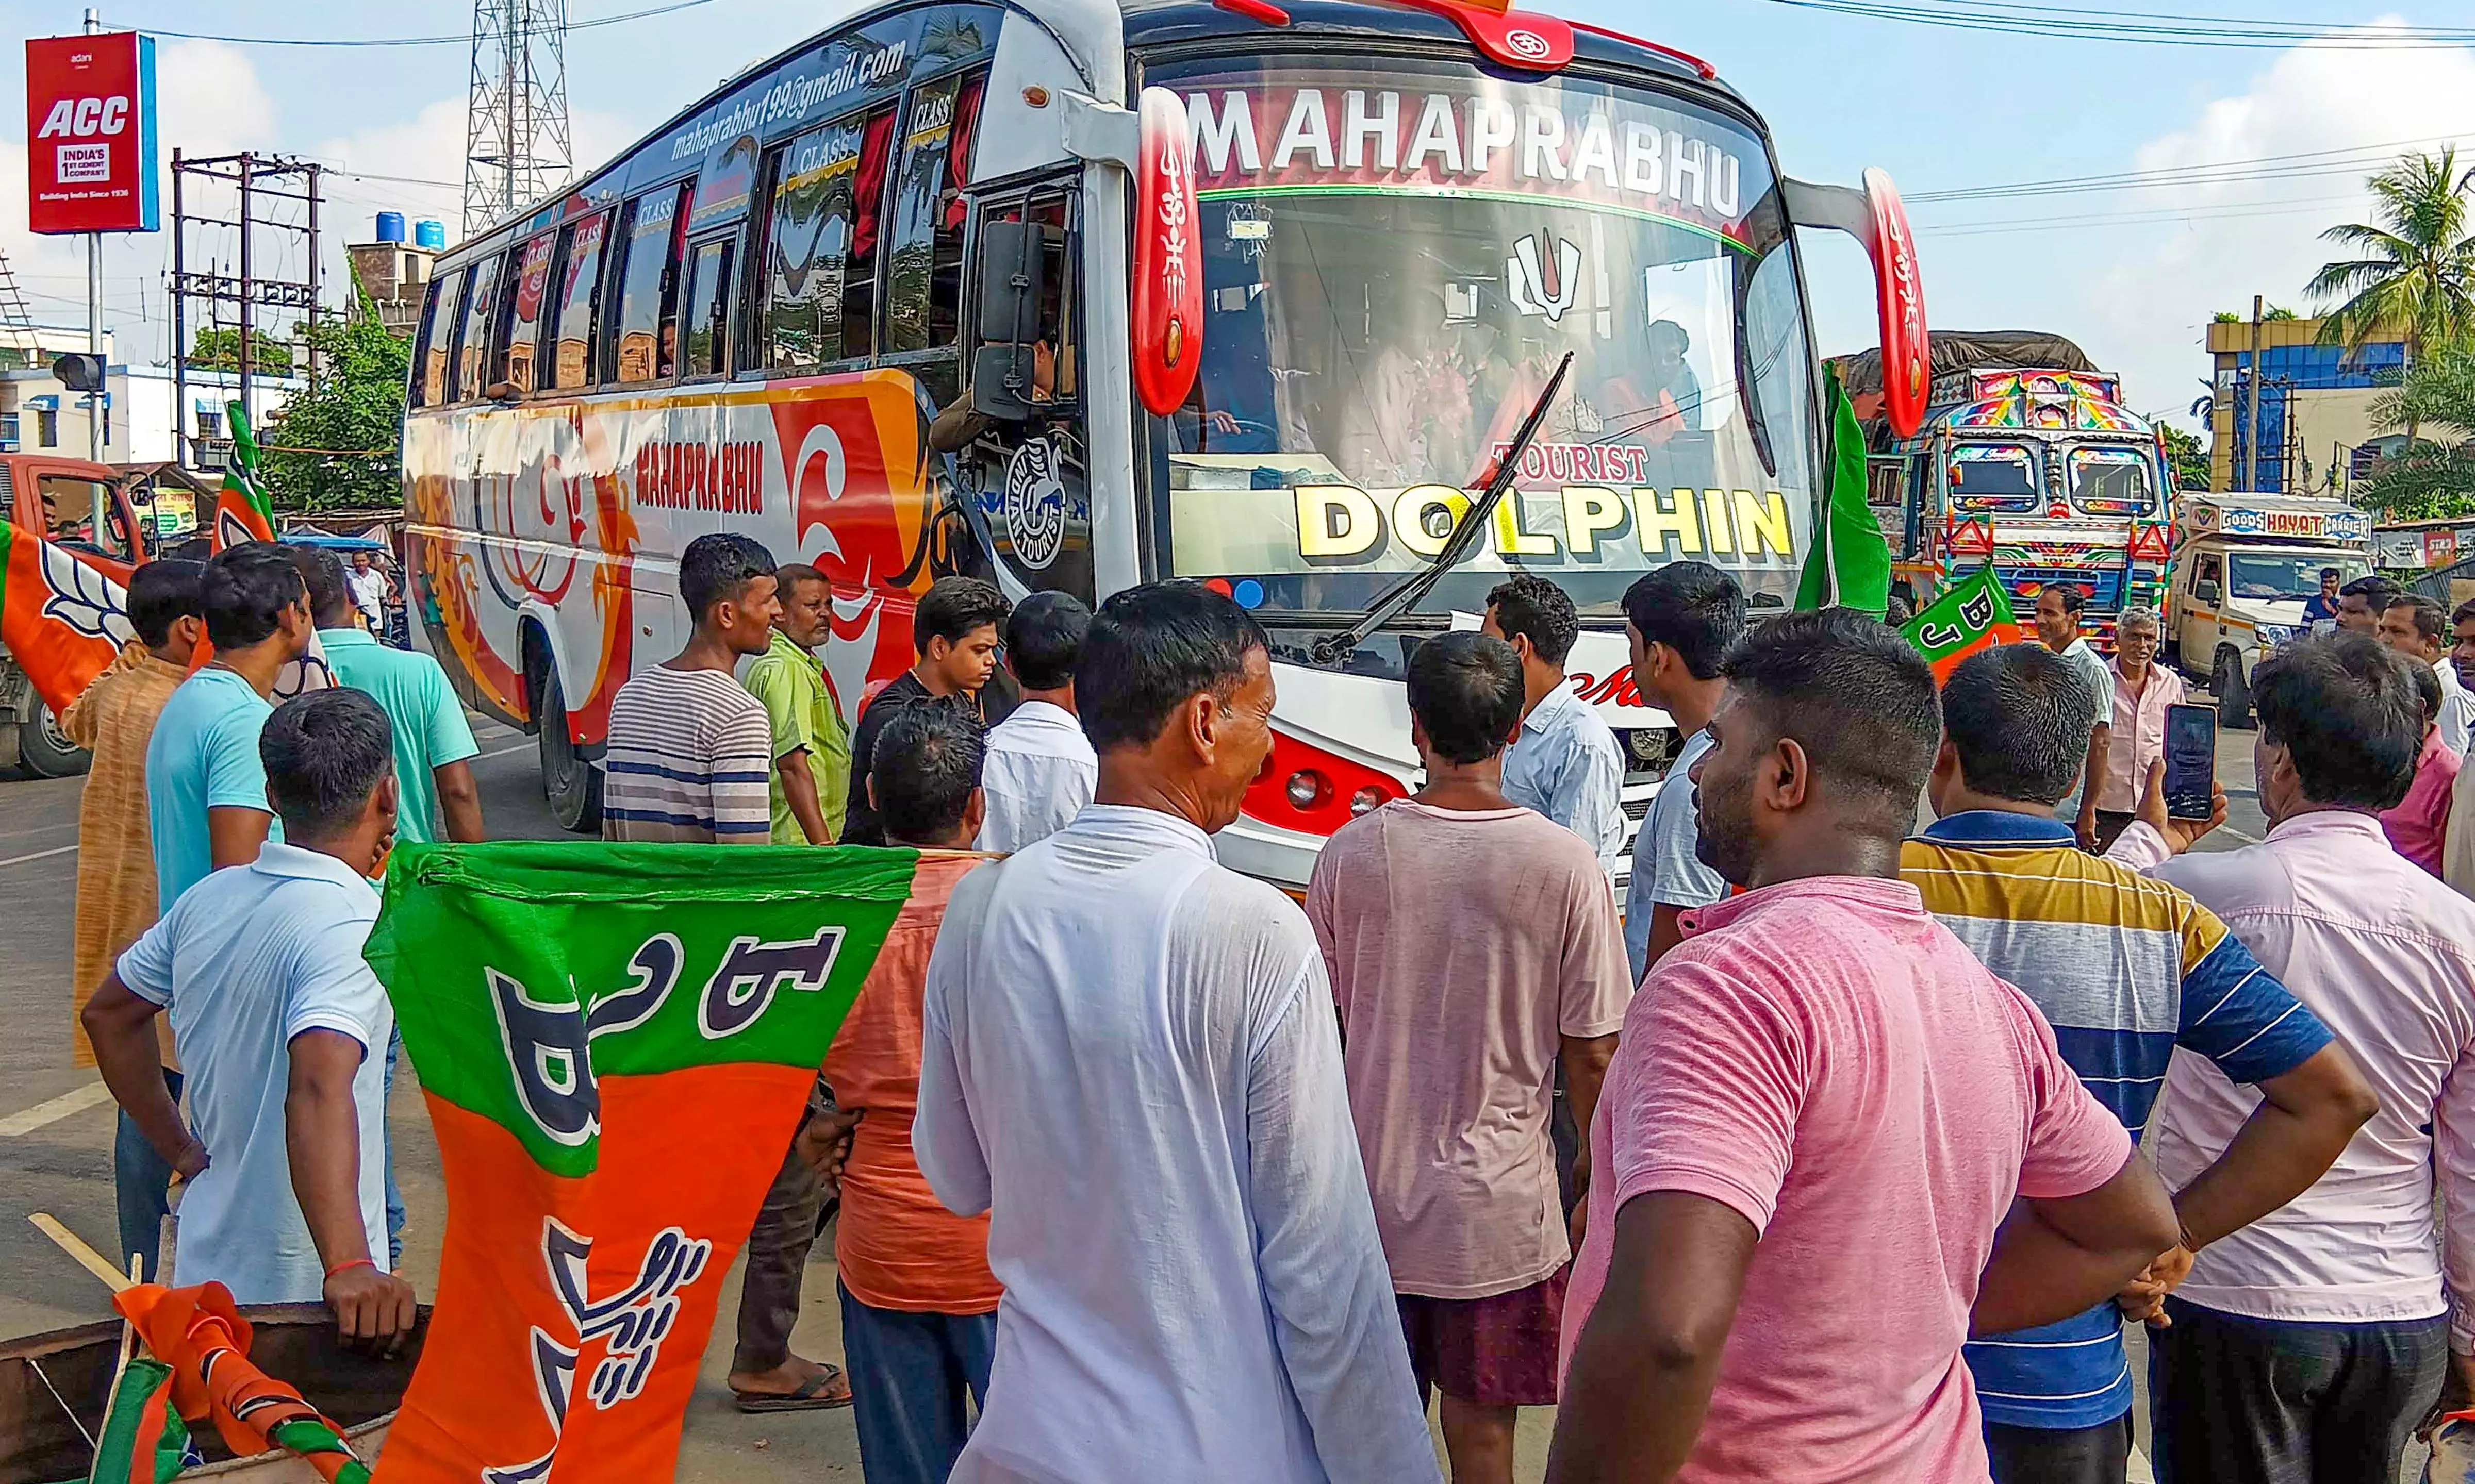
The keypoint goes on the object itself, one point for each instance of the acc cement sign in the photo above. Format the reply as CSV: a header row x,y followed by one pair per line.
x,y
91,155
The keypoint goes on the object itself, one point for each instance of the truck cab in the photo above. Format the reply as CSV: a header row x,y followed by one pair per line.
x,y
85,508
2246,567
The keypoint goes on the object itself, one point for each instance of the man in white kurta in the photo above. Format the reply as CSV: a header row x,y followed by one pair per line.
x,y
1132,1063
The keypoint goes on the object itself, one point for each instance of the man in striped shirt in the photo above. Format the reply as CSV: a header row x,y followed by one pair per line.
x,y
691,753
2127,969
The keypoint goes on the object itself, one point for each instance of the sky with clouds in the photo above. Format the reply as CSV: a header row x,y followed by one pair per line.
x,y
2134,274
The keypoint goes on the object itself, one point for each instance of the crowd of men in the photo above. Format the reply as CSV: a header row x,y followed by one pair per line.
x,y
1818,1160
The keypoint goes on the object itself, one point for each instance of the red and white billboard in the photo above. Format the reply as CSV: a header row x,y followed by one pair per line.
x,y
91,162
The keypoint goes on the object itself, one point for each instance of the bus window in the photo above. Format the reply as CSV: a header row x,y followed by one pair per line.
x,y
437,328
924,278
473,332
579,301
708,308
648,328
819,265
520,326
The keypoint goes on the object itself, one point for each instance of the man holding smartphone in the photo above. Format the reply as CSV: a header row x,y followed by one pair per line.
x,y
2129,971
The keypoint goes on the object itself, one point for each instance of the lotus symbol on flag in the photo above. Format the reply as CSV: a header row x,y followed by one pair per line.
x,y
82,597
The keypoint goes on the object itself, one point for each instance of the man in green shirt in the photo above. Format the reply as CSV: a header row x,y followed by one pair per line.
x,y
811,749
433,743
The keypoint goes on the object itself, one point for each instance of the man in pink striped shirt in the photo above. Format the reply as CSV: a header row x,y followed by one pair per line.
x,y
1821,1112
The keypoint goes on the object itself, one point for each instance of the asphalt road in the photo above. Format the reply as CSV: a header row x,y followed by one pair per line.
x,y
55,1123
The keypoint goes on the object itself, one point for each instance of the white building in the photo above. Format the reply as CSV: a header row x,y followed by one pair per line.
x,y
38,414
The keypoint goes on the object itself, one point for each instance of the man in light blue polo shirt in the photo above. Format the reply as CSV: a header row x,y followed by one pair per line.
x,y
1565,762
433,741
206,789
278,1017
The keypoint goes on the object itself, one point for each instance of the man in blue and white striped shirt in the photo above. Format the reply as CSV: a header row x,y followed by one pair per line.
x,y
691,753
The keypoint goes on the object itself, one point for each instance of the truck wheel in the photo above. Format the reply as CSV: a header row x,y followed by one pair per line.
x,y
570,781
46,751
2233,692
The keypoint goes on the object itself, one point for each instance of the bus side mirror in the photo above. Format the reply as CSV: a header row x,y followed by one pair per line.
x,y
1013,266
1003,381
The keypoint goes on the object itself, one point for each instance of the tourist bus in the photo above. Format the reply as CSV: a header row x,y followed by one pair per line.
x,y
891,302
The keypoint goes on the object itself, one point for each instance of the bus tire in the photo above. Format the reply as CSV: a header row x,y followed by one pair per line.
x,y
2233,692
570,781
46,751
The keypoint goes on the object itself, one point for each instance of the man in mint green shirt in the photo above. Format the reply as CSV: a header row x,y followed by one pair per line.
x,y
812,763
433,742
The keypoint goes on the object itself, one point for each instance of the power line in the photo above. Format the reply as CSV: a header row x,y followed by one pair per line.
x,y
2089,25
2216,172
462,38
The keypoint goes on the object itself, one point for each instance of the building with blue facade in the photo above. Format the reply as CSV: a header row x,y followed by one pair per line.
x,y
2316,429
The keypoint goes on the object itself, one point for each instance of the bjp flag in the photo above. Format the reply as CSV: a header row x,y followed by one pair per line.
x,y
1972,613
616,1043
61,620
242,510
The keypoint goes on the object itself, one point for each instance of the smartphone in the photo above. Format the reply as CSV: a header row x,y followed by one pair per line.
x,y
2191,762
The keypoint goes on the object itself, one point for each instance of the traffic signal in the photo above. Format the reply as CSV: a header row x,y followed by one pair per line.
x,y
80,371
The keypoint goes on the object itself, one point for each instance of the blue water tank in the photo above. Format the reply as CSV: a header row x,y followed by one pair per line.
x,y
430,234
390,226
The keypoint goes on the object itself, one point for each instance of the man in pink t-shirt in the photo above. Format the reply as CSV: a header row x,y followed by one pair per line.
x,y
2418,827
1823,1111
1473,944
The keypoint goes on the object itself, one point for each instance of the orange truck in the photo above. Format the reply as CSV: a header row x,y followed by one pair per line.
x,y
85,508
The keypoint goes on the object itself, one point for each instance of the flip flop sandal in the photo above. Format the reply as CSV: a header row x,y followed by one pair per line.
x,y
809,1398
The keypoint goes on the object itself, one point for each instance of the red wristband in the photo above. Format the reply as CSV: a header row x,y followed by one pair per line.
x,y
347,1267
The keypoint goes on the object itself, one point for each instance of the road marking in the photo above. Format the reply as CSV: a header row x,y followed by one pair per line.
x,y
41,854
20,1123
2249,840
501,752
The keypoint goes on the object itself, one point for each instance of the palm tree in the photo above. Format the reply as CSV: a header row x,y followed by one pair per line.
x,y
2417,276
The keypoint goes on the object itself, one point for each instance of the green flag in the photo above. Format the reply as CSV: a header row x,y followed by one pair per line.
x,y
1972,613
1850,564
616,1043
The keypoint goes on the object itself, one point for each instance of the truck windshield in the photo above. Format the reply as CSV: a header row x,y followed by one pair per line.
x,y
1994,476
2112,481
1393,263
2294,575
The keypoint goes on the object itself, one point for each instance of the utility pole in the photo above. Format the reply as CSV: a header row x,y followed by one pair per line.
x,y
264,187
2251,417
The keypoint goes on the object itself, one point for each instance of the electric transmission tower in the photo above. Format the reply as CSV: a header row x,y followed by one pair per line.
x,y
516,147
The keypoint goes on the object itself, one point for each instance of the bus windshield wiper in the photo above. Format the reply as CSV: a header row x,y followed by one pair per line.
x,y
1412,590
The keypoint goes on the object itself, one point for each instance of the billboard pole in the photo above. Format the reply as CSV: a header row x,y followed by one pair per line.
x,y
95,401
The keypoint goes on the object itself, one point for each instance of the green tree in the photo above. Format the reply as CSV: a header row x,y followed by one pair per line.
x,y
2187,457
218,348
335,445
2415,277
2432,479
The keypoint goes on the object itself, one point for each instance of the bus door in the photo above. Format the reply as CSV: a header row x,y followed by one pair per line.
x,y
1019,436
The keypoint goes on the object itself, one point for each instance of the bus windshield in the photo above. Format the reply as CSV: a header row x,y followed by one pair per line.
x,y
1393,263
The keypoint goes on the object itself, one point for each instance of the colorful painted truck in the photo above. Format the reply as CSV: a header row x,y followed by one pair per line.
x,y
2028,459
